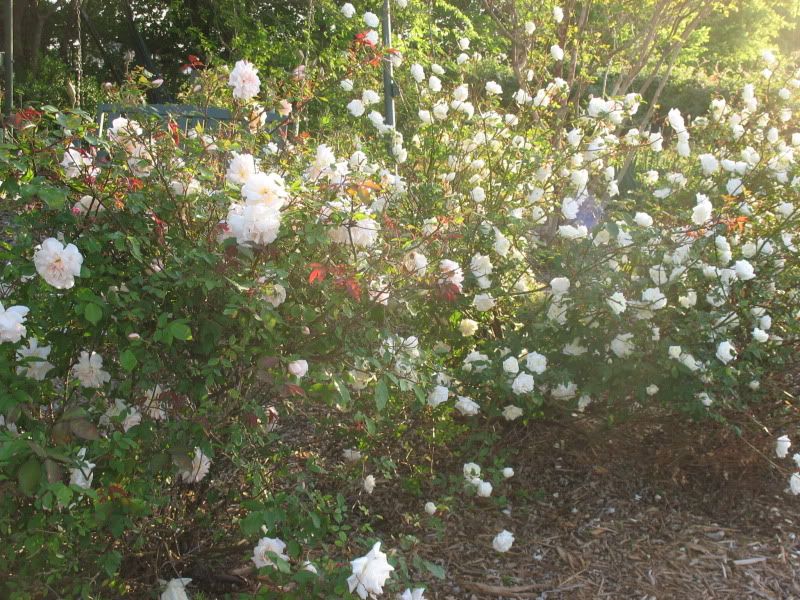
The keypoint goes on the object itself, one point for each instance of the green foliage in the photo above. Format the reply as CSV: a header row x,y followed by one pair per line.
x,y
48,84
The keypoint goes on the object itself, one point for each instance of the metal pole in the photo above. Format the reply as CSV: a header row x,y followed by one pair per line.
x,y
8,57
388,79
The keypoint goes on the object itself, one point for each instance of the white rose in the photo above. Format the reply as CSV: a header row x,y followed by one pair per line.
x,y
782,445
502,541
702,211
511,365
484,489
522,384
298,368
725,352
617,303
371,20
356,108
58,265
483,302
478,194
559,285
267,544
467,327
794,484
471,470
438,396
493,88
535,362
370,573
467,406
175,589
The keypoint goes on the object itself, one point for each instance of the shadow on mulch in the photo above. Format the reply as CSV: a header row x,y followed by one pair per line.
x,y
656,508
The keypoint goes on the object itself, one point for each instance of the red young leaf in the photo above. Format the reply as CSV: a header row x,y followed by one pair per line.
x,y
294,390
135,184
352,288
449,292
175,131
361,38
318,272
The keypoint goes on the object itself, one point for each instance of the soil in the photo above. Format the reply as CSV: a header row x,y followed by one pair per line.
x,y
653,508
630,513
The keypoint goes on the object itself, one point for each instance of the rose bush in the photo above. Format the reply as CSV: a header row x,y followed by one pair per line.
x,y
169,295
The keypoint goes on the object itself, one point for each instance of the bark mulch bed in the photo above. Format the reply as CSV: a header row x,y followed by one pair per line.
x,y
656,507
645,510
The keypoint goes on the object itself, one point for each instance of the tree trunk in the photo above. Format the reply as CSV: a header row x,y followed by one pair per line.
x,y
30,19
21,9
35,47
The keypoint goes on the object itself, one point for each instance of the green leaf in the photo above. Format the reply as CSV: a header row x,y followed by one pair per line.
x,y
136,250
370,424
158,461
419,392
53,470
116,524
60,432
381,395
38,188
252,523
110,562
63,493
10,448
434,569
74,413
93,313
37,449
84,429
28,476
181,460
343,391
293,549
282,565
305,577
68,120
180,331
53,197
128,360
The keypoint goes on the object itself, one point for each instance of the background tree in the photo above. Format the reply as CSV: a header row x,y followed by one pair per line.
x,y
658,45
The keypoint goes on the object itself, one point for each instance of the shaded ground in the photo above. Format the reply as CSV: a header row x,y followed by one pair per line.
x,y
630,513
656,508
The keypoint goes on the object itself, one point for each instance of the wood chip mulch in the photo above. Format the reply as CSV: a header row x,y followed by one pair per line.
x,y
630,513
